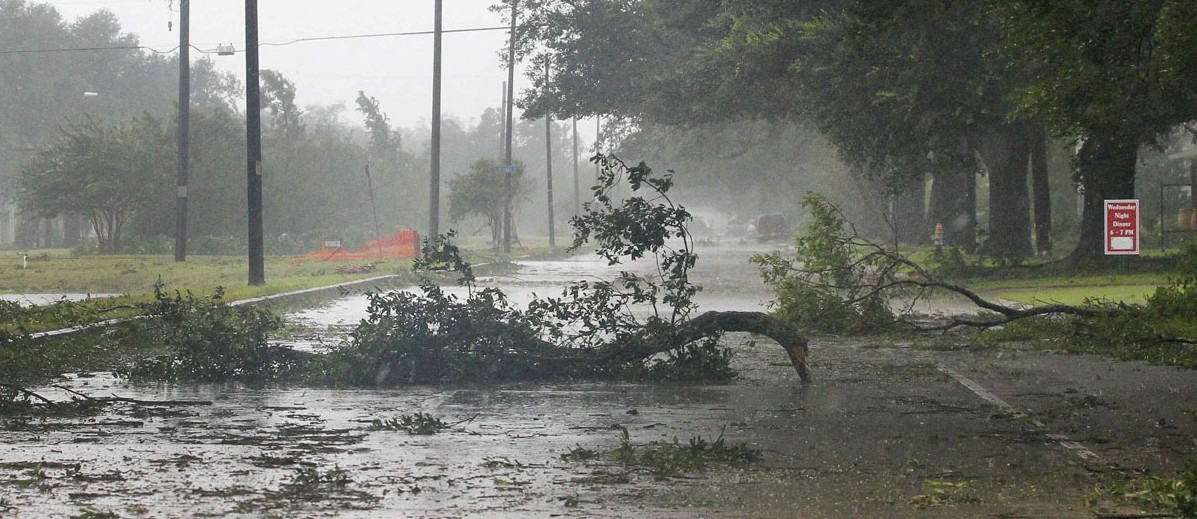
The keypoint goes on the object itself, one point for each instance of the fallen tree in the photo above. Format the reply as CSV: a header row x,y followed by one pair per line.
x,y
591,331
839,282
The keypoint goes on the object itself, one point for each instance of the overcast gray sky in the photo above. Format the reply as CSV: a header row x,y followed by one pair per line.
x,y
395,69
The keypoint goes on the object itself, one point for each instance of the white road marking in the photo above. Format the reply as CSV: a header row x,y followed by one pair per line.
x,y
1074,446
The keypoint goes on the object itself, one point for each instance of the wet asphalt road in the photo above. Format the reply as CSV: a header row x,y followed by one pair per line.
x,y
886,430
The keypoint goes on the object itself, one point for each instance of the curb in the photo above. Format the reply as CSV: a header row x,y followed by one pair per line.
x,y
285,296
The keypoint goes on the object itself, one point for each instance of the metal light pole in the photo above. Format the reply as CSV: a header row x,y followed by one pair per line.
x,y
253,142
184,129
434,182
507,188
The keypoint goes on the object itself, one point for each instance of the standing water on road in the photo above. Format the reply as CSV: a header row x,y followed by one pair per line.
x,y
884,432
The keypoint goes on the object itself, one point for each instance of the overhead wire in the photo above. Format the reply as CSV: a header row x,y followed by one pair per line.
x,y
260,44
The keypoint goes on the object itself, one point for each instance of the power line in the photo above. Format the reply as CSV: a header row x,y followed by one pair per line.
x,y
261,44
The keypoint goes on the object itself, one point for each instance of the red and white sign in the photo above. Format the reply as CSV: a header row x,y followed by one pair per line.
x,y
1122,226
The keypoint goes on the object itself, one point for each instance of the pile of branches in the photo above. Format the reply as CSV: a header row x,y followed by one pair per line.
x,y
590,331
838,273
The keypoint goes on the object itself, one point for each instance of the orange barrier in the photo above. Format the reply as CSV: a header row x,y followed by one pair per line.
x,y
403,244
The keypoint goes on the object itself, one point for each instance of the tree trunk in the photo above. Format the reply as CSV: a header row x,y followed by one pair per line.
x,y
1106,167
1041,192
72,230
1004,150
909,214
787,336
954,205
871,210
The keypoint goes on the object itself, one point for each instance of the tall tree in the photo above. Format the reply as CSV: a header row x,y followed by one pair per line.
x,y
1113,74
109,174
479,193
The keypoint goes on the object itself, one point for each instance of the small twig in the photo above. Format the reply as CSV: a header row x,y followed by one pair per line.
x,y
115,398
459,422
27,392
76,393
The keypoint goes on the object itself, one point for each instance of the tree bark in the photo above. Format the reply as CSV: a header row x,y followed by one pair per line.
x,y
954,205
1041,195
1106,167
1004,150
909,213
785,335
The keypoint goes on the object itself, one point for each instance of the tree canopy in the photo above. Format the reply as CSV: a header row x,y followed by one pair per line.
x,y
901,88
106,173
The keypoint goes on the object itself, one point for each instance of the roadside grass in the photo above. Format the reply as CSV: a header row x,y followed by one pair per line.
x,y
56,271
122,281
132,279
1076,295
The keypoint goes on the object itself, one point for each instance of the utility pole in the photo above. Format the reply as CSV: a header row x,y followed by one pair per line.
x,y
184,129
253,144
548,158
507,188
502,123
577,199
434,182
598,141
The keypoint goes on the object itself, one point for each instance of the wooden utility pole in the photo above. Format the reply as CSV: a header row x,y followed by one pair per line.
x,y
253,144
502,123
548,159
577,200
184,129
507,187
434,183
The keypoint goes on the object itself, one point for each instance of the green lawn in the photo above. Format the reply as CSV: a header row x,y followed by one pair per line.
x,y
1075,295
55,271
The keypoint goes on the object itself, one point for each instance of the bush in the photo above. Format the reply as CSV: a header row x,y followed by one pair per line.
x,y
208,340
826,287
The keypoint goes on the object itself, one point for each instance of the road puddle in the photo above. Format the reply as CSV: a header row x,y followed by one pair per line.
x,y
230,450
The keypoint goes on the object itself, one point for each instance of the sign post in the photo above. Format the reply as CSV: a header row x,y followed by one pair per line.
x,y
1122,227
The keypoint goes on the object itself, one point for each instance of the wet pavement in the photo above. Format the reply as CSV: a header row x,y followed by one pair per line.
x,y
886,430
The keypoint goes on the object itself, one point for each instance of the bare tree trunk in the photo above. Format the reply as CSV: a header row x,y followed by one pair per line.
x,y
1004,150
954,205
909,214
1107,172
1041,195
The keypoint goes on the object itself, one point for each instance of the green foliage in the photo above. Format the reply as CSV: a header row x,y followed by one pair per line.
x,y
1173,495
943,493
310,479
13,401
431,336
208,340
703,361
480,193
18,320
440,253
579,454
420,423
666,459
1157,331
109,174
95,513
18,402
642,225
830,285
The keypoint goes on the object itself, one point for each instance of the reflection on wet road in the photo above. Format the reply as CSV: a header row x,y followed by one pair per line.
x,y
881,433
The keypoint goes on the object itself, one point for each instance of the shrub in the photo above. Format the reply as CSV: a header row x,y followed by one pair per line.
x,y
207,340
